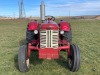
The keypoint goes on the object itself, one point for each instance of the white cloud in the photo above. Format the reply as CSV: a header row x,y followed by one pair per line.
x,y
62,7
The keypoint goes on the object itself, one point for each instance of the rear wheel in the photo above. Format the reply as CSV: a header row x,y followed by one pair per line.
x,y
68,36
29,36
23,61
74,58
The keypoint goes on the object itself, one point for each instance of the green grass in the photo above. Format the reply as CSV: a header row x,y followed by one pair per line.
x,y
86,33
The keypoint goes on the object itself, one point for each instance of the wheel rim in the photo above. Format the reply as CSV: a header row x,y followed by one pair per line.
x,y
70,62
27,62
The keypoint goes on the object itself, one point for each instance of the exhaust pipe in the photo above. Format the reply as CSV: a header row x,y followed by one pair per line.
x,y
42,11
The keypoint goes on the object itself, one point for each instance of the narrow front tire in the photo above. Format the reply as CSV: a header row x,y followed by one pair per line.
x,y
23,61
74,58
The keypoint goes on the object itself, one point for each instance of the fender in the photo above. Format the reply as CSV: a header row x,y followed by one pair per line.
x,y
64,26
33,25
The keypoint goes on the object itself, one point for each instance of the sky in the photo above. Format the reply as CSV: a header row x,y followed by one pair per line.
x,y
53,7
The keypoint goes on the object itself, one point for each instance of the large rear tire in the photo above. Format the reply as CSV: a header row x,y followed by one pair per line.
x,y
23,61
69,36
29,36
74,58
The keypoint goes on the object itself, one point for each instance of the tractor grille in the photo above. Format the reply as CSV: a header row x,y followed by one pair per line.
x,y
49,39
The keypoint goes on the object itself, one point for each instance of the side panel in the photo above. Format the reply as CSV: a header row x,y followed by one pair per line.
x,y
64,26
33,25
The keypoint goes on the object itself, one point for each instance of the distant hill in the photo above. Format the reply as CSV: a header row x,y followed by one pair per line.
x,y
86,17
60,17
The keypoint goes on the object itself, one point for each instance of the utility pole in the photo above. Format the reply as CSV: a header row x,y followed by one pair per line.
x,y
21,9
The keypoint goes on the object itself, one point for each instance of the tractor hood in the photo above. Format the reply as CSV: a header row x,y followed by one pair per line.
x,y
49,26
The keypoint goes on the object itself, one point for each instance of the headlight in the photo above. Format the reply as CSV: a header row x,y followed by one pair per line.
x,y
35,31
61,32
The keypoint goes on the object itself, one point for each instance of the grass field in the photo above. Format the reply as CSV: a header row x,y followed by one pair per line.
x,y
86,33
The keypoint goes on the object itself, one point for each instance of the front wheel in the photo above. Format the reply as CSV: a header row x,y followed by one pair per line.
x,y
23,61
74,58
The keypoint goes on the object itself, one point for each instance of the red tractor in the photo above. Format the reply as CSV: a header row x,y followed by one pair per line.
x,y
49,38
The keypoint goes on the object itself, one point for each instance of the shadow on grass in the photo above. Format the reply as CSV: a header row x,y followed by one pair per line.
x,y
63,62
33,58
16,61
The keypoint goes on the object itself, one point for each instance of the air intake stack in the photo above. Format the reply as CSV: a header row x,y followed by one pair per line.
x,y
42,11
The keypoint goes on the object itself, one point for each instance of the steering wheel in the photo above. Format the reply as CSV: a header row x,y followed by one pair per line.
x,y
51,17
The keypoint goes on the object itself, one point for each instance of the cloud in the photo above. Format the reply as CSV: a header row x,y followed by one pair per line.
x,y
62,8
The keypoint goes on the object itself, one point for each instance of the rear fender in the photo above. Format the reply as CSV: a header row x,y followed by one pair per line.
x,y
64,26
33,25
